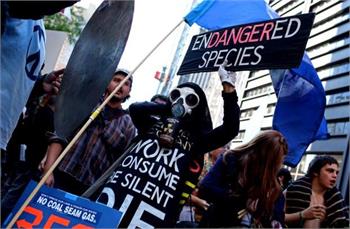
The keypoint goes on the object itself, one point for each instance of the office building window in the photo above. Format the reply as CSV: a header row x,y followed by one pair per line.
x,y
248,113
334,70
258,91
330,23
240,135
320,5
271,109
290,6
258,73
338,98
327,47
338,128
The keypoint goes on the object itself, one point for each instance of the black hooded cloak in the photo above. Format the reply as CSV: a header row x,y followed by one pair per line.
x,y
153,182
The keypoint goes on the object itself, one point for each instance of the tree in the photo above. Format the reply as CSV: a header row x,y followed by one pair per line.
x,y
72,26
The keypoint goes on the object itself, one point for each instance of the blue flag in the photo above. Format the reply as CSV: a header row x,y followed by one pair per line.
x,y
22,57
299,113
217,14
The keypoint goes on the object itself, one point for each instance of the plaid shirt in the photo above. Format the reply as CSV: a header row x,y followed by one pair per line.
x,y
99,146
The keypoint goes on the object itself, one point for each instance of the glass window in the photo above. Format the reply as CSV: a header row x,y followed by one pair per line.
x,y
342,97
347,128
339,128
330,23
240,135
327,47
334,70
331,128
338,98
320,5
289,6
271,108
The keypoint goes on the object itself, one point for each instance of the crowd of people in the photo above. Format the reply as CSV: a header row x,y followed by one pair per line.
x,y
175,169
173,161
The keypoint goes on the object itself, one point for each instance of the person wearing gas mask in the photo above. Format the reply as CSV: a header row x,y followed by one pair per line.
x,y
161,167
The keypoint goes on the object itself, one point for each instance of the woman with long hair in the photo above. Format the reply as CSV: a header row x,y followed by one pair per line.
x,y
242,186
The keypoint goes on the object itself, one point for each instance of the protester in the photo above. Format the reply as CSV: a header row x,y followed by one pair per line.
x,y
160,99
242,186
188,217
99,146
192,211
313,201
22,56
210,159
28,143
162,166
284,177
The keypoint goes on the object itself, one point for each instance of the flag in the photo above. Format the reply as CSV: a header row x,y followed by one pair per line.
x,y
22,57
157,75
299,113
217,14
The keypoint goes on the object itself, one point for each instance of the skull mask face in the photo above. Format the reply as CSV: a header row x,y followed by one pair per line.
x,y
183,101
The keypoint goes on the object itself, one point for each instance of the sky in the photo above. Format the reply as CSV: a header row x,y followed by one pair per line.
x,y
153,19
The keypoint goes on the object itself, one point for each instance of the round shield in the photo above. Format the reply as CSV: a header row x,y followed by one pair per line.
x,y
91,66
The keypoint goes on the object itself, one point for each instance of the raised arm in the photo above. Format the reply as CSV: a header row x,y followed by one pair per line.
x,y
141,113
230,127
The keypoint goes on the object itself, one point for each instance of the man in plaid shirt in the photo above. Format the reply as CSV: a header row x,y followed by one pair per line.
x,y
99,146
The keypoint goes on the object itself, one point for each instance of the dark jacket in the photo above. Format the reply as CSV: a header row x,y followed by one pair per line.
x,y
221,189
216,188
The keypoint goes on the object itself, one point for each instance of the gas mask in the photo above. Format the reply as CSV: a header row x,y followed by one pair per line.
x,y
183,101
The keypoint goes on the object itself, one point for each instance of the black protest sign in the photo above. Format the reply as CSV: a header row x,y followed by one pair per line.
x,y
273,44
145,187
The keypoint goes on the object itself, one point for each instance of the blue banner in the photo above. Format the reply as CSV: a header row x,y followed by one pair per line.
x,y
52,208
